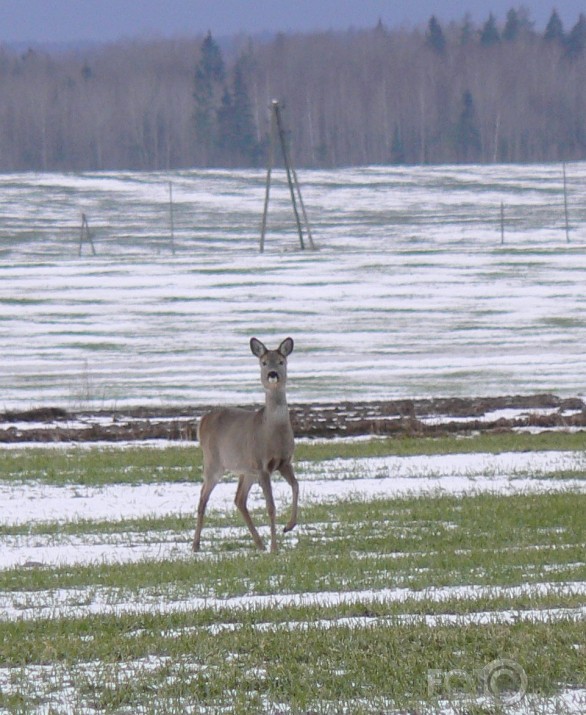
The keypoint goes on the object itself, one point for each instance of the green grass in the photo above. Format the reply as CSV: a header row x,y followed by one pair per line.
x,y
99,466
410,542
491,443
167,656
340,666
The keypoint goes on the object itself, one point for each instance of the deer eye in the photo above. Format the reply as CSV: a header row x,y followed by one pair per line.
x,y
264,363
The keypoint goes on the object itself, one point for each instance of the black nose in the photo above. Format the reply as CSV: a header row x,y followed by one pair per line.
x,y
273,376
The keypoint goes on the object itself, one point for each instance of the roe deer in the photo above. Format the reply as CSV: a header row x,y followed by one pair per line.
x,y
251,445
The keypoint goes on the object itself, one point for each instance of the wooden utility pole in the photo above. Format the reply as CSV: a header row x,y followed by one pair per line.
x,y
277,130
85,233
268,184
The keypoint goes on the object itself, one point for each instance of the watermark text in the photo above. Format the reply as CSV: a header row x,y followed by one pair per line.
x,y
504,681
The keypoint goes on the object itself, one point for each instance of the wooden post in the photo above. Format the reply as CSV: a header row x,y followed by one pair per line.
x,y
277,129
283,139
567,222
171,219
85,232
268,184
303,211
502,223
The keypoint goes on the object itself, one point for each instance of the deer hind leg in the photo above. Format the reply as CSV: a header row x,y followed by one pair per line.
x,y
210,479
288,474
245,483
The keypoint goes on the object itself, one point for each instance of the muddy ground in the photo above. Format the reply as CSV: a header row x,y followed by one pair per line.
x,y
387,417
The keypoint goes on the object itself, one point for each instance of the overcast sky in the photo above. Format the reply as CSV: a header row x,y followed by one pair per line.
x,y
106,20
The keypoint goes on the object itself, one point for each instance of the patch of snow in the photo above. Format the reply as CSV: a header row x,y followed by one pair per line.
x,y
83,602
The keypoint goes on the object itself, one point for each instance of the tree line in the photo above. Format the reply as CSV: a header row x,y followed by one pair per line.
x,y
500,91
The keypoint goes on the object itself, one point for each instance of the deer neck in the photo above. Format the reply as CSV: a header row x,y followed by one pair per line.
x,y
276,408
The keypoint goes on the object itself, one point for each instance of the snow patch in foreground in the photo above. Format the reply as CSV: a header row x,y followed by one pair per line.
x,y
32,502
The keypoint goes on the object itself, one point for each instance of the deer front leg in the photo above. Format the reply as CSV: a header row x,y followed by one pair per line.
x,y
265,483
244,485
288,474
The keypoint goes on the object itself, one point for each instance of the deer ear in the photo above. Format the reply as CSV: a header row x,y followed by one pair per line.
x,y
286,347
257,347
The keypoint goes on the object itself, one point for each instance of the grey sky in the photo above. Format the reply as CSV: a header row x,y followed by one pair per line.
x,y
107,20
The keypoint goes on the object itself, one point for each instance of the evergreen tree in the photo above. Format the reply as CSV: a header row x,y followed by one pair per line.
x,y
467,31
225,121
380,28
435,36
245,142
211,64
489,35
554,30
236,139
576,40
512,27
209,77
467,137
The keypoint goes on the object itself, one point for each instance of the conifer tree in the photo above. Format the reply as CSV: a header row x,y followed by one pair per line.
x,y
468,143
209,77
435,37
245,143
576,40
225,119
489,35
554,30
466,31
512,27
236,137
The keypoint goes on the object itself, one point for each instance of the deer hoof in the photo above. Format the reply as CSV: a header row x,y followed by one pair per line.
x,y
289,527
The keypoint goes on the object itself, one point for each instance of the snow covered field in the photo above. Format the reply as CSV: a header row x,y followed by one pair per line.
x,y
411,293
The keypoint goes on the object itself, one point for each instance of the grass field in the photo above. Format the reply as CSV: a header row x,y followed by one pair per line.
x,y
428,598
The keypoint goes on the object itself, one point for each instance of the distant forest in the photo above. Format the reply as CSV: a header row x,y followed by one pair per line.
x,y
499,91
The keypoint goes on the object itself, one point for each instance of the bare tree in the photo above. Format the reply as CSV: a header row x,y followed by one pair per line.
x,y
367,97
